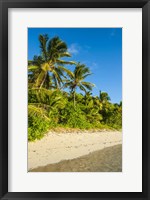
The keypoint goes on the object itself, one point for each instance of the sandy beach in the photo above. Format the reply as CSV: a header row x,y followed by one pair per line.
x,y
108,159
56,147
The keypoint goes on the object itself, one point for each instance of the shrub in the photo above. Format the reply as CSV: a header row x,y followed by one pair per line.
x,y
37,127
74,117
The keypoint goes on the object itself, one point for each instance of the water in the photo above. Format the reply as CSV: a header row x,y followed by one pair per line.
x,y
105,160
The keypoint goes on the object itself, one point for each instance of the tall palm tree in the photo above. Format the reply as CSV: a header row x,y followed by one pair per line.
x,y
77,80
49,63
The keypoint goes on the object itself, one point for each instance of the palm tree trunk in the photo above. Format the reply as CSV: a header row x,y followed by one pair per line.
x,y
42,82
74,100
39,85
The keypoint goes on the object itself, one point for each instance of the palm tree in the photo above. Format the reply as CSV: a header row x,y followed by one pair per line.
x,y
49,63
104,97
77,80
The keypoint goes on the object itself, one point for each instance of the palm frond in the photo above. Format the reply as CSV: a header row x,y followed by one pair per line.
x,y
33,67
37,60
88,74
82,88
64,54
37,111
43,42
70,73
65,62
88,85
56,78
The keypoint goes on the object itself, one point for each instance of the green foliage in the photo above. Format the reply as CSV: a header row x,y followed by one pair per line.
x,y
37,127
50,106
74,117
115,117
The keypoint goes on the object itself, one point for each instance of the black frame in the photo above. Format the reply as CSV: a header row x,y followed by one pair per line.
x,y
4,5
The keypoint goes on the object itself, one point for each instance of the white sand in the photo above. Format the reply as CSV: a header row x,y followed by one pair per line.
x,y
55,147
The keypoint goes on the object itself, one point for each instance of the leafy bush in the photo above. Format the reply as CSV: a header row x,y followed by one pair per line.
x,y
74,117
37,127
115,121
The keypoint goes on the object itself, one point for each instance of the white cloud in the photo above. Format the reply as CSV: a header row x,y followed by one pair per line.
x,y
93,65
74,49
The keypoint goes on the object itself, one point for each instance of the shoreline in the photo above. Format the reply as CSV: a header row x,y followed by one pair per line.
x,y
108,159
56,147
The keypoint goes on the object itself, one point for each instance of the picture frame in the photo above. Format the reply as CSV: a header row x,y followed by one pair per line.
x,y
4,6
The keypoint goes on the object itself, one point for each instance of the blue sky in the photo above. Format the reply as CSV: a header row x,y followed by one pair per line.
x,y
99,48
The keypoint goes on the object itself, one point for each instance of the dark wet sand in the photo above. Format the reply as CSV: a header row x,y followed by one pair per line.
x,y
106,160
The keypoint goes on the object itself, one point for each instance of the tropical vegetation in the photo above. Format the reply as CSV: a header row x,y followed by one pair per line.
x,y
53,97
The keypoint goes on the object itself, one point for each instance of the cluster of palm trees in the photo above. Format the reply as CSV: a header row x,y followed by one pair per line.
x,y
52,86
48,70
